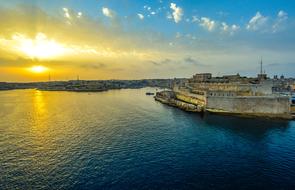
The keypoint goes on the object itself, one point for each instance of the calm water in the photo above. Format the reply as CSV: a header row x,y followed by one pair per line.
x,y
123,139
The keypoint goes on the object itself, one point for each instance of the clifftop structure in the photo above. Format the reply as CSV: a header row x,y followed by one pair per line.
x,y
203,77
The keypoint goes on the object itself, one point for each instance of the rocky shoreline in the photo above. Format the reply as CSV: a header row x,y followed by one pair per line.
x,y
169,98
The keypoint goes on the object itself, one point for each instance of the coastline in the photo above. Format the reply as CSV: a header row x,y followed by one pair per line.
x,y
169,98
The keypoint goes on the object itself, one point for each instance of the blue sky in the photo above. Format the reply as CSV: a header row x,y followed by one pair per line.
x,y
173,38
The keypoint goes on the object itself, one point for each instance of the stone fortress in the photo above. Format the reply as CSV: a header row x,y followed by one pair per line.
x,y
234,94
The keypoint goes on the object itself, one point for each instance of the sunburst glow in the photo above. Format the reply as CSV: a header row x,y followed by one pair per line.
x,y
38,69
39,47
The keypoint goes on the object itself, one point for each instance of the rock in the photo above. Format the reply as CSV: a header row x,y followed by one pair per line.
x,y
169,98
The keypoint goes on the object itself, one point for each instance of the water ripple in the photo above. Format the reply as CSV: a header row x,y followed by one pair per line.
x,y
123,139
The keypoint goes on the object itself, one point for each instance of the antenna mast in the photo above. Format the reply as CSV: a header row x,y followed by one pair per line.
x,y
49,77
261,67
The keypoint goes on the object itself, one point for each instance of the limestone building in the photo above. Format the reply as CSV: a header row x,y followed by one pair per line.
x,y
235,94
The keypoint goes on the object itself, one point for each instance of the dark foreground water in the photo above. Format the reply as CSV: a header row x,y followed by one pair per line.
x,y
123,139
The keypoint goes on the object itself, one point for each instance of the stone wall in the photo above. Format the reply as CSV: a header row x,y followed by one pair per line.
x,y
250,105
168,97
264,88
191,98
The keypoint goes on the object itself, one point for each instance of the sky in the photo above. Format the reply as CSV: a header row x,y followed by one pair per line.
x,y
128,39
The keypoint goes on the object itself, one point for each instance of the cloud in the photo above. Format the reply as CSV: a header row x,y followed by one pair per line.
x,y
211,25
229,29
169,16
140,16
66,13
195,19
192,61
177,12
80,38
186,62
146,7
257,22
71,16
280,20
268,24
93,66
207,23
161,62
108,12
152,12
25,62
224,26
79,14
235,28
282,14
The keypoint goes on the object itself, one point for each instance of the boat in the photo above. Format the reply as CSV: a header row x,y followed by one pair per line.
x,y
149,93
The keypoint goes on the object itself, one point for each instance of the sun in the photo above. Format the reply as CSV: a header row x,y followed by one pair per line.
x,y
38,69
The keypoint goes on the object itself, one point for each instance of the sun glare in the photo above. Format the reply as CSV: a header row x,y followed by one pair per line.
x,y
38,69
40,47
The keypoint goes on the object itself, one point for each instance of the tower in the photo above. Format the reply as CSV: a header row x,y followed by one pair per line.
x,y
261,67
49,77
262,75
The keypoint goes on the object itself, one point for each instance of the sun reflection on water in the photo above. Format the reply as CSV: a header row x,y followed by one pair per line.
x,y
39,103
40,113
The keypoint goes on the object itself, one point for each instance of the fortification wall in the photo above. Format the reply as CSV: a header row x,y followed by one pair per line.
x,y
250,105
222,86
264,88
191,98
244,89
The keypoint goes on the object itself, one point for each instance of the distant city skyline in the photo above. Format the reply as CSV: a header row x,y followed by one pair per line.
x,y
112,39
